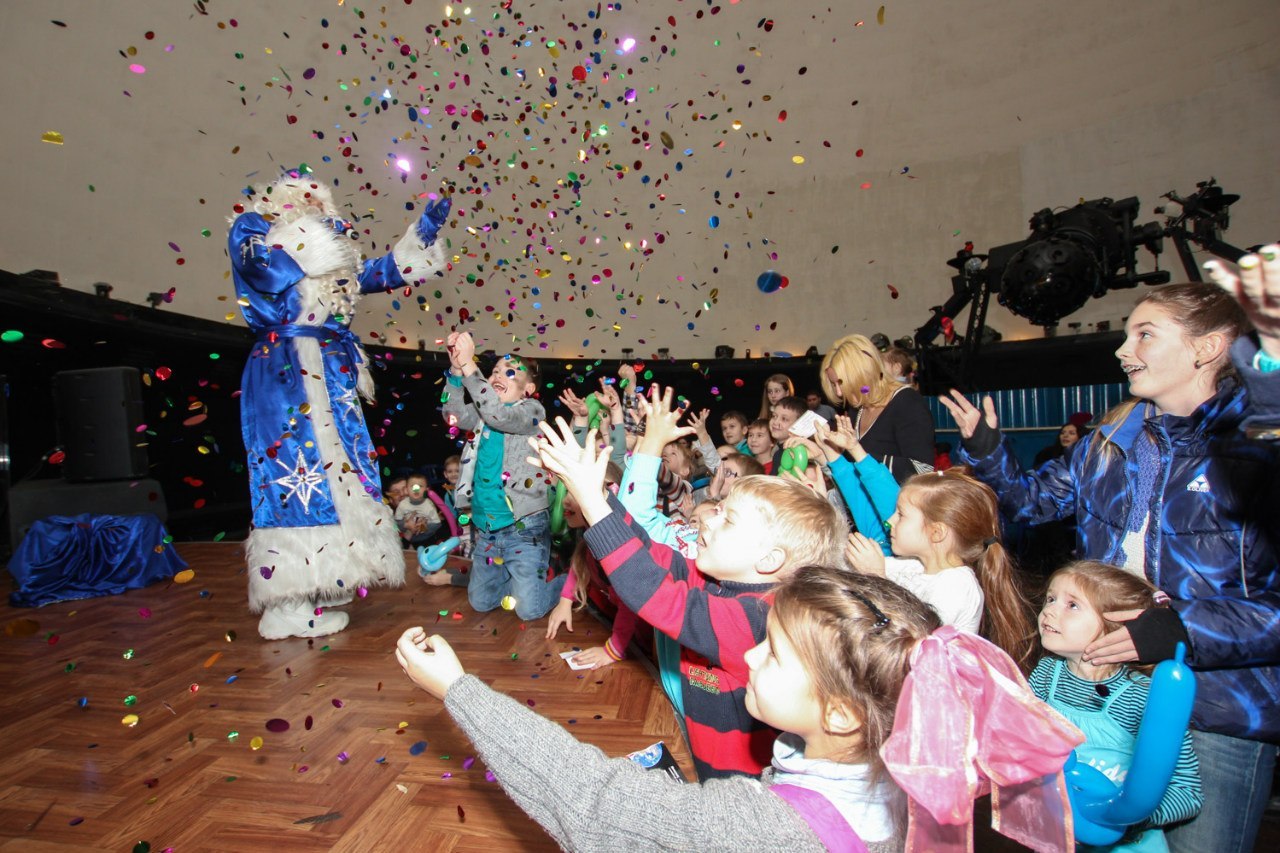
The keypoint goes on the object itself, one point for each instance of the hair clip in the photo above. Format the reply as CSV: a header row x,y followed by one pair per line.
x,y
989,541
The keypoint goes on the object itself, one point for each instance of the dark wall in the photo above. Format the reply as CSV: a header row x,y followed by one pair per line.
x,y
191,379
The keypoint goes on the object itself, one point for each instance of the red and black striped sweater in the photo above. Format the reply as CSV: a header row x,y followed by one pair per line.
x,y
715,624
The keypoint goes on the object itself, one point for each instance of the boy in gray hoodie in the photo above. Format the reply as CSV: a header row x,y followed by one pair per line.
x,y
505,496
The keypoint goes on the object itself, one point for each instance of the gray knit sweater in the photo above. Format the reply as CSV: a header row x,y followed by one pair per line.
x,y
587,801
526,484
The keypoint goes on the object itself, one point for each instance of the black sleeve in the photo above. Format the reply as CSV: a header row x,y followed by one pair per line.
x,y
1156,634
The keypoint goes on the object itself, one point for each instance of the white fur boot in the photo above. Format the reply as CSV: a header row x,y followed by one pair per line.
x,y
299,620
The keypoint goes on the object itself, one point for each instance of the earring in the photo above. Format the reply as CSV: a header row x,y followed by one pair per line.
x,y
1198,365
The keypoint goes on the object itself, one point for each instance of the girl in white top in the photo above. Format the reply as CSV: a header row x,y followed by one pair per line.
x,y
945,537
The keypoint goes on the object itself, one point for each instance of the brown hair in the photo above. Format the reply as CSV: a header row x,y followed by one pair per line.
x,y
901,359
970,510
852,655
803,524
857,364
749,465
1199,309
1109,588
792,404
776,379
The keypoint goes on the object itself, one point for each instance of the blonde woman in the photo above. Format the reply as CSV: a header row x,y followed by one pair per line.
x,y
891,419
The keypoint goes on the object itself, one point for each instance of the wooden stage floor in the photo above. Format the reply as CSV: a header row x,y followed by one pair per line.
x,y
367,763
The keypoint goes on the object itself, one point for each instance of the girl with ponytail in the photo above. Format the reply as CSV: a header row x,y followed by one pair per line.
x,y
945,537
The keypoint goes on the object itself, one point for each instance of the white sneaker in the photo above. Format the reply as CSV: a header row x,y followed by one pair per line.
x,y
277,623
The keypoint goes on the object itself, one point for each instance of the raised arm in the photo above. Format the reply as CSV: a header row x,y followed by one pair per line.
x,y
417,256
1028,496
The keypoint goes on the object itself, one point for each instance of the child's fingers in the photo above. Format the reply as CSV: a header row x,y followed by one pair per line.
x,y
1251,281
1223,277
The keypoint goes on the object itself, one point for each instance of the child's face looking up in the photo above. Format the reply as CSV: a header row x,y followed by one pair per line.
x,y
509,380
677,461
1068,622
780,691
733,539
775,392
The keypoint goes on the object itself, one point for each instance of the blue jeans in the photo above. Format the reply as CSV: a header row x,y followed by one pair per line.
x,y
513,561
1235,775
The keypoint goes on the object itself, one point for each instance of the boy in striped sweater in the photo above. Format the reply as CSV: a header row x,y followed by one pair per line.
x,y
714,607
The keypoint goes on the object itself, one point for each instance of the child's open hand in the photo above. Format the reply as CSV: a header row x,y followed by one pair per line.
x,y
864,555
561,614
609,396
428,661
842,438
575,405
698,420
660,426
580,467
1257,289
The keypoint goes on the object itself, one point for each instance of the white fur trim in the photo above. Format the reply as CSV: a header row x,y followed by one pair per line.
x,y
362,550
311,242
422,261
289,198
322,297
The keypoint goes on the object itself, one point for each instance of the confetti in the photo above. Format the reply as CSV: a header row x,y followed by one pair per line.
x,y
53,137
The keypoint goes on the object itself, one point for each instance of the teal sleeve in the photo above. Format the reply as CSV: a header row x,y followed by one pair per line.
x,y
639,495
871,494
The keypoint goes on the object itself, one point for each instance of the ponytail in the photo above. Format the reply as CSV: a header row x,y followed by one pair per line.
x,y
969,509
1007,612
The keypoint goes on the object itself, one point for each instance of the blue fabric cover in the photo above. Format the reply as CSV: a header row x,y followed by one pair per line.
x,y
65,558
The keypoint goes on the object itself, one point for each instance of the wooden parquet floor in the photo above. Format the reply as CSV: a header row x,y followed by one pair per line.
x,y
350,773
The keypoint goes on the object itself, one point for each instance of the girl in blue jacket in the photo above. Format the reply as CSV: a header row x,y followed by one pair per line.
x,y
1182,485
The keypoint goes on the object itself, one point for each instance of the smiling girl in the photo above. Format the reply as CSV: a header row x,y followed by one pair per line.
x,y
1175,486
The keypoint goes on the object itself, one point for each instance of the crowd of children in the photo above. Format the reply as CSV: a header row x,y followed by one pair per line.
x,y
822,604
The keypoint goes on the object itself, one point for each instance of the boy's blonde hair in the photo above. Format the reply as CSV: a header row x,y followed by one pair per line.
x,y
803,524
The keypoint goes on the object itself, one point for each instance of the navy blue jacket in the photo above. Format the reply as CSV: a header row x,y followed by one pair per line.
x,y
1215,551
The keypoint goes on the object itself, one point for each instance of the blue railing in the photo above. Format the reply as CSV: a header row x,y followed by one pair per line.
x,y
1032,416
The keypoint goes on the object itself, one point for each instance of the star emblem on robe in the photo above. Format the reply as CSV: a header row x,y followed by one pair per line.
x,y
300,481
348,401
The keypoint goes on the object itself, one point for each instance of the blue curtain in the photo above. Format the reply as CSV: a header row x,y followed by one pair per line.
x,y
64,558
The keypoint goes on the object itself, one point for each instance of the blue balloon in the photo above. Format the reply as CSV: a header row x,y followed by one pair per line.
x,y
1103,810
769,281
431,559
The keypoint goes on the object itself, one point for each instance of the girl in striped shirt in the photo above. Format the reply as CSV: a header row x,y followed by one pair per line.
x,y
1107,702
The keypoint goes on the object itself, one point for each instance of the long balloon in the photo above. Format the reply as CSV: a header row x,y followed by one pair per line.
x,y
1104,810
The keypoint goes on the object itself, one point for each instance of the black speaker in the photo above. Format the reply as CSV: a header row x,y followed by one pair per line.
x,y
99,412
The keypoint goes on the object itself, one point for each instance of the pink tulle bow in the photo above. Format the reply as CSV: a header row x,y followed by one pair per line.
x,y
967,723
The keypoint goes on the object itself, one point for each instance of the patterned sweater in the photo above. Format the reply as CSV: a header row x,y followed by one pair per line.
x,y
715,623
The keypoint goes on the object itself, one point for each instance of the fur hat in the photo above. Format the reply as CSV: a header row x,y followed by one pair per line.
x,y
292,196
